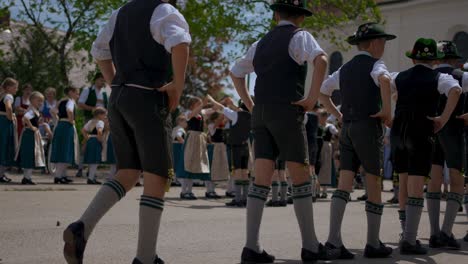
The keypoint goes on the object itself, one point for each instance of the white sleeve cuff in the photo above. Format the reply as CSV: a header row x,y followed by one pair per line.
x,y
177,39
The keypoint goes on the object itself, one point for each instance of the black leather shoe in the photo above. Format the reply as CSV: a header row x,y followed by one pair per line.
x,y
283,203
324,253
212,195
79,174
65,178
407,249
272,203
61,181
192,196
251,257
93,182
344,252
466,237
435,241
75,243
5,179
230,194
25,181
234,203
381,252
362,198
449,241
157,260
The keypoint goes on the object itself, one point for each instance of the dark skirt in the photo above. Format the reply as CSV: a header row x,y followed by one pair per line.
x,y
63,145
93,152
110,152
7,142
27,157
178,158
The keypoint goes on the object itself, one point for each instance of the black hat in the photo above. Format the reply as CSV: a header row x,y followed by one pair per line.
x,y
425,49
294,6
449,49
369,31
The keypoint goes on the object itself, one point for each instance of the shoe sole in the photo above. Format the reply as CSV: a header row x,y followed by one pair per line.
x,y
69,249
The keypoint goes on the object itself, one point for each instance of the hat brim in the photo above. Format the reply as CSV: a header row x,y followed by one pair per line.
x,y
353,40
285,7
410,55
451,56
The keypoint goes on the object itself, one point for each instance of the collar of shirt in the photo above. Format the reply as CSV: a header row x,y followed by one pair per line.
x,y
425,65
285,23
444,65
363,52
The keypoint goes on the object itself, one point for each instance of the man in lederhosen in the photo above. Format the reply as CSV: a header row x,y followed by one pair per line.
x,y
135,51
449,149
279,60
364,83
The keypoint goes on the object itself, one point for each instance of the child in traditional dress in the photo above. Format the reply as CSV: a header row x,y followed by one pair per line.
x,y
413,131
327,130
49,104
7,127
31,151
238,139
22,105
93,132
65,147
219,162
196,161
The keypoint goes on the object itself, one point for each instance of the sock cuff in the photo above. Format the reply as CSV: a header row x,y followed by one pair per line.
x,y
374,208
402,214
116,187
413,201
152,202
452,196
283,183
259,192
433,195
275,184
466,199
339,194
302,191
239,182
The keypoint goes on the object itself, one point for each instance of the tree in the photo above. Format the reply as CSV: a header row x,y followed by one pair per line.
x,y
220,29
66,26
30,59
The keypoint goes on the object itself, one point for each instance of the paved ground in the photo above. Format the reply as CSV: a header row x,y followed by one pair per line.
x,y
32,220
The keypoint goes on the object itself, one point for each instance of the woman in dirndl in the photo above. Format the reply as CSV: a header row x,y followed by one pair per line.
x,y
50,103
8,130
219,161
196,162
65,146
93,132
31,151
22,105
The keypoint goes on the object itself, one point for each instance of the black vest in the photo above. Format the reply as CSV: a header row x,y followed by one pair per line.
x,y
35,120
311,127
195,124
240,132
137,57
459,109
280,80
218,136
359,94
417,92
62,109
2,105
327,135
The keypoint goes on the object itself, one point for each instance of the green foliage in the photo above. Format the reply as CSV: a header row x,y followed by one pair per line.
x,y
30,60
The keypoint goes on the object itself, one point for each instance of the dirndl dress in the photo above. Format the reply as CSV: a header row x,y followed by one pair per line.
x,y
93,151
31,151
65,147
7,141
326,159
219,162
196,161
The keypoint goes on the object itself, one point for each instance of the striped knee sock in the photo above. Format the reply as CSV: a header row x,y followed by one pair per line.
x,y
302,196
433,210
110,193
414,207
454,201
256,202
374,217
151,209
340,199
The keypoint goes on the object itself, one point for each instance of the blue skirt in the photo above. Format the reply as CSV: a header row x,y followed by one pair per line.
x,y
93,152
7,142
110,152
63,145
178,158
27,158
